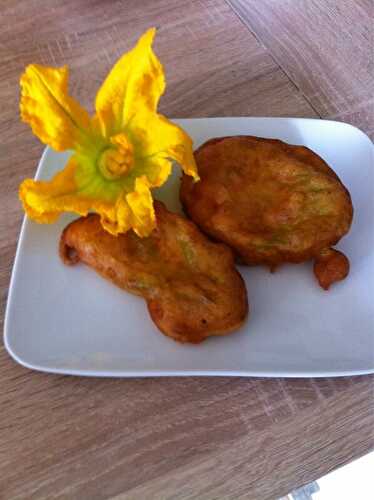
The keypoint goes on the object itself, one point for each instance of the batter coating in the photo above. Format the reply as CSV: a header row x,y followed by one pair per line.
x,y
190,284
271,202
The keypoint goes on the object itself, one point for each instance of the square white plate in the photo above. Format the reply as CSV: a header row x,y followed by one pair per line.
x,y
69,320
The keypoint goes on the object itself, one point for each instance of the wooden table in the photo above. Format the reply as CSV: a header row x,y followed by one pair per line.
x,y
179,438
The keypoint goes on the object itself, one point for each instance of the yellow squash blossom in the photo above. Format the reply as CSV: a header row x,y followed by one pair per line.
x,y
122,152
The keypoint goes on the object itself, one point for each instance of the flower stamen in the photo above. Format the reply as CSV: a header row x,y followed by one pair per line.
x,y
115,162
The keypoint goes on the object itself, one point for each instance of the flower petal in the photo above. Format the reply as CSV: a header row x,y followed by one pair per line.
x,y
133,210
73,191
156,169
55,117
136,82
44,201
119,219
141,205
157,137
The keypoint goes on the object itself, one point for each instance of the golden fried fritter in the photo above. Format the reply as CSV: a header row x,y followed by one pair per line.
x,y
271,202
190,284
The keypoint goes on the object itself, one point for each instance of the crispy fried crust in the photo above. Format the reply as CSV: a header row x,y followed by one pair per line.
x,y
190,284
330,266
269,201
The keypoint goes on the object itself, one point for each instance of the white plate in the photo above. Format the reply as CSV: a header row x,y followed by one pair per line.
x,y
69,320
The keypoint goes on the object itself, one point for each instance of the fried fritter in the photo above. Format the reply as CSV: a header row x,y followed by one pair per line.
x,y
271,202
190,284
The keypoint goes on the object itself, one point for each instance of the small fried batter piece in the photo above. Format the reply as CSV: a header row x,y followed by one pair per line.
x,y
190,284
271,202
330,266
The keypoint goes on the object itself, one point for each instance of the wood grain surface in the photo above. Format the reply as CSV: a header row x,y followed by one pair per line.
x,y
326,47
180,438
